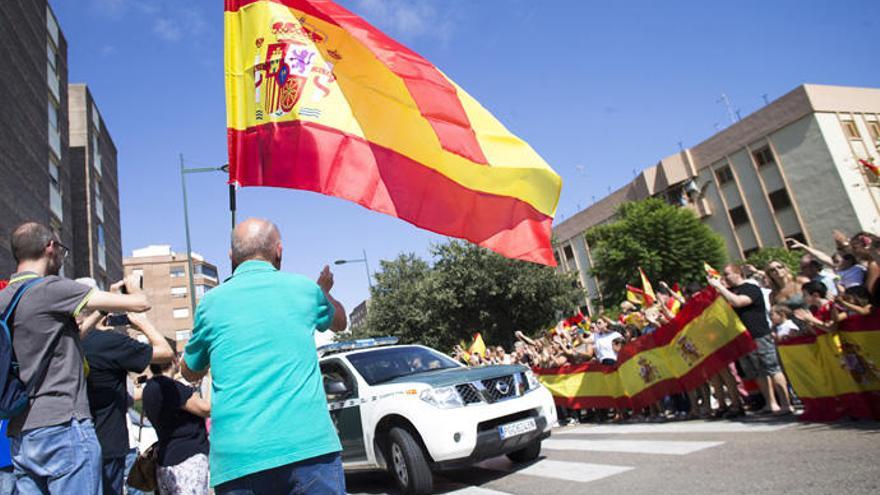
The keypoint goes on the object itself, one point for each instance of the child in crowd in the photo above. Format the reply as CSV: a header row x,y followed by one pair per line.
x,y
784,327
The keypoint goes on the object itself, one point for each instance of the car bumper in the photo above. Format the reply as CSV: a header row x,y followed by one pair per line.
x,y
470,434
490,444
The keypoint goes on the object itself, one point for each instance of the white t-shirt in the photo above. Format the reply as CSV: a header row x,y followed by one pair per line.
x,y
604,349
786,328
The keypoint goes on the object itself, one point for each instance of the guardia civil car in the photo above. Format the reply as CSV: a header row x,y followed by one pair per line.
x,y
412,410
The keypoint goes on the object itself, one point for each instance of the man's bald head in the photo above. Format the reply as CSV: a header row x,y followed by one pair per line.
x,y
256,238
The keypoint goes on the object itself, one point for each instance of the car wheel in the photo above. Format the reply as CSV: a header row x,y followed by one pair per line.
x,y
407,464
526,454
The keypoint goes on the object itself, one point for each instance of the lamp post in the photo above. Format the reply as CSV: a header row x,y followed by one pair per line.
x,y
359,260
183,172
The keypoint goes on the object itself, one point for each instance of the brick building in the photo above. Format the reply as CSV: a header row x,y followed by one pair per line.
x,y
166,284
34,153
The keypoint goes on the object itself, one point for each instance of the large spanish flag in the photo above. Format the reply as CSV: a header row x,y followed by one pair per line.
x,y
837,375
702,339
320,100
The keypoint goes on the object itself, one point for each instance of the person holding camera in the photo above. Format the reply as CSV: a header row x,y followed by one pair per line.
x,y
111,355
54,446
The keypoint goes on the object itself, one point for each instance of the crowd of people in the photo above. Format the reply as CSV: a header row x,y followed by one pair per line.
x,y
774,302
73,347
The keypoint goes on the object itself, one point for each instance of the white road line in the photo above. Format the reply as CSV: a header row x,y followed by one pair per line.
x,y
580,472
671,447
677,427
473,490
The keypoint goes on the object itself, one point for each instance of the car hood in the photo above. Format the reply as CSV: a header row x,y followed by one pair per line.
x,y
452,376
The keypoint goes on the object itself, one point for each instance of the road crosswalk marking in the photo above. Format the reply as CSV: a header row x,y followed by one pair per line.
x,y
581,472
677,427
670,447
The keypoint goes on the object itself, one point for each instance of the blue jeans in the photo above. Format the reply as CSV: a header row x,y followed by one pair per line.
x,y
316,476
7,481
113,474
61,459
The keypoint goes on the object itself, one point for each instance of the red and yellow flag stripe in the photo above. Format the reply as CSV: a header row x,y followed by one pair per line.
x,y
837,374
703,338
318,99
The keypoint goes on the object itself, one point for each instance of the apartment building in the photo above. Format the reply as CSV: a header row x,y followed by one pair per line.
x,y
166,284
790,169
34,154
57,159
97,234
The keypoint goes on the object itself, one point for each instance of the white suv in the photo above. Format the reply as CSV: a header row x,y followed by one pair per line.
x,y
412,410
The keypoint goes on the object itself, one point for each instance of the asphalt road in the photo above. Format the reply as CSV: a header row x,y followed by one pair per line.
x,y
753,456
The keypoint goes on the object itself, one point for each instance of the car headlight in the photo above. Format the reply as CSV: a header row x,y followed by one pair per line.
x,y
534,384
443,397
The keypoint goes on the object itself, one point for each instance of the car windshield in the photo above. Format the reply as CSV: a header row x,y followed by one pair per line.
x,y
386,364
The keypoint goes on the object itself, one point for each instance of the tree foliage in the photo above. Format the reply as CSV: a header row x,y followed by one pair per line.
x,y
761,258
668,242
467,290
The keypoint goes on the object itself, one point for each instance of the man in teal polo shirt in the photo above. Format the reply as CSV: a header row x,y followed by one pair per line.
x,y
271,431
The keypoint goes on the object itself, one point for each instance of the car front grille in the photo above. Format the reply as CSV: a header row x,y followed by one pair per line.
x,y
468,393
496,389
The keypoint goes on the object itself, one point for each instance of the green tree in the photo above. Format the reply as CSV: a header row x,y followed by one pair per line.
x,y
468,289
791,258
668,242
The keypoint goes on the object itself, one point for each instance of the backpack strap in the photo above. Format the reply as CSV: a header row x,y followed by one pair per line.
x,y
8,314
10,308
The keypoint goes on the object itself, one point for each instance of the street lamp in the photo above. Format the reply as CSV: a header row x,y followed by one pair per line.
x,y
183,172
360,260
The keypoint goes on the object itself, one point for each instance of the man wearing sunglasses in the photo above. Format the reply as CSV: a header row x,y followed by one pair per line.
x,y
54,447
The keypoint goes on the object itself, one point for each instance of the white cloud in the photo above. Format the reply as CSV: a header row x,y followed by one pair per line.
x,y
167,29
407,18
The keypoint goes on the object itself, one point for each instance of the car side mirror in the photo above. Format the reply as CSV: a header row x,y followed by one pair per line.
x,y
335,387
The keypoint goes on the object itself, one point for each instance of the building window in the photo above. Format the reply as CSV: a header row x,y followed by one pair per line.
x,y
764,157
201,289
206,271
102,251
874,128
738,216
96,150
177,292
556,255
99,201
55,203
569,254
799,237
177,271
850,129
180,312
182,335
724,175
748,252
779,199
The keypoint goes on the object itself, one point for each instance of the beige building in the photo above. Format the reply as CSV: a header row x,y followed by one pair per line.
x,y
166,284
790,169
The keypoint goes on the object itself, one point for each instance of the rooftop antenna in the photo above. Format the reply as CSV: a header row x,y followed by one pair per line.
x,y
726,101
766,101
738,116
680,146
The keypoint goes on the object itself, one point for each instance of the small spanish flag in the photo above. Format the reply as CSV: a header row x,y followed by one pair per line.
x,y
711,272
478,346
870,166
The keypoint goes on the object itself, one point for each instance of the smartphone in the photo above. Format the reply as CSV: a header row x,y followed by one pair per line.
x,y
118,320
142,379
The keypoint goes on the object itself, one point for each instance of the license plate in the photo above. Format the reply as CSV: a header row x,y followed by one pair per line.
x,y
517,428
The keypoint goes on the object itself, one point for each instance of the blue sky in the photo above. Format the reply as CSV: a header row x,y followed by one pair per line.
x,y
599,89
